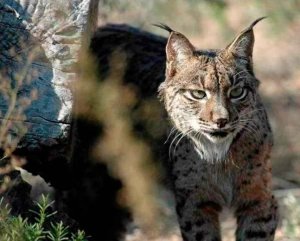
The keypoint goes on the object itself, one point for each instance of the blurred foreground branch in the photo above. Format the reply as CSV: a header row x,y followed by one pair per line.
x,y
128,158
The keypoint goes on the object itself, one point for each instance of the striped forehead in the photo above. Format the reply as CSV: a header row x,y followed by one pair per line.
x,y
212,75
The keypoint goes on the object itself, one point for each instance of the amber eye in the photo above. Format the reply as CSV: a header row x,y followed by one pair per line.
x,y
197,94
238,93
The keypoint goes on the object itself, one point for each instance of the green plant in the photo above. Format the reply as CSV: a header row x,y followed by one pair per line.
x,y
21,229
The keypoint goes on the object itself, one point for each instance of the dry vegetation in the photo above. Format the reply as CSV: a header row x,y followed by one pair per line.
x,y
13,119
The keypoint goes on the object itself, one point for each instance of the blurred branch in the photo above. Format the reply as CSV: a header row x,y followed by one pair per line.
x,y
284,192
128,158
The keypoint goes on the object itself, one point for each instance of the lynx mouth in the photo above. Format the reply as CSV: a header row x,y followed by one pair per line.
x,y
218,134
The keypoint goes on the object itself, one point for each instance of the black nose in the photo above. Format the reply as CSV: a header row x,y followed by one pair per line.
x,y
221,122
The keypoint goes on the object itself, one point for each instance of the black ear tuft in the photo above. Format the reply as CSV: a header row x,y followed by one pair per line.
x,y
178,50
163,26
255,22
242,45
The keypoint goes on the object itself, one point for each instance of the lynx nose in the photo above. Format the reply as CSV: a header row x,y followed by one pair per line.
x,y
220,115
221,122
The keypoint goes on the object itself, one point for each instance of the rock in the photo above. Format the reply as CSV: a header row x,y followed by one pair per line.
x,y
39,44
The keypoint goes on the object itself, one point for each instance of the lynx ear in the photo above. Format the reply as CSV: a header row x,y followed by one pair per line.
x,y
178,50
242,45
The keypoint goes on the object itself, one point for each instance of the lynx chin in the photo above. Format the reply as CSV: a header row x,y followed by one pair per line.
x,y
219,156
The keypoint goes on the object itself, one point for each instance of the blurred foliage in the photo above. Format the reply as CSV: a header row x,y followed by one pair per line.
x,y
143,12
12,131
14,104
291,220
109,102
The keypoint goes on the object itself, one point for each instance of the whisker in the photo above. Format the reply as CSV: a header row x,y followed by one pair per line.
x,y
199,135
245,114
170,147
174,129
188,132
250,129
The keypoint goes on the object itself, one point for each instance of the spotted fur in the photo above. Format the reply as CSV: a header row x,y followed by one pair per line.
x,y
220,156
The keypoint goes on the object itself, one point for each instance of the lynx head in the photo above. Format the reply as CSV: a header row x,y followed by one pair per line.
x,y
210,95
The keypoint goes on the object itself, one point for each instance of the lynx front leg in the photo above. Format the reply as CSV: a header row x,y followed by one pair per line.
x,y
198,218
256,219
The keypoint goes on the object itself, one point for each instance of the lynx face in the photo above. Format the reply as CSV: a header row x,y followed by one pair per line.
x,y
210,96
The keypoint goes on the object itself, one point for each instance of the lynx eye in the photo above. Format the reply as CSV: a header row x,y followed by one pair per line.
x,y
238,93
197,94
